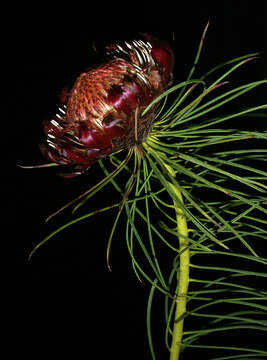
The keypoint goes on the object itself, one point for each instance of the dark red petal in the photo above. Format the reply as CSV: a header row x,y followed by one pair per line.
x,y
77,170
164,58
53,156
73,155
86,136
114,129
92,138
70,175
93,155
101,141
163,55
125,98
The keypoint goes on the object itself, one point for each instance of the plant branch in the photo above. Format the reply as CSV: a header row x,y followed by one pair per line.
x,y
182,278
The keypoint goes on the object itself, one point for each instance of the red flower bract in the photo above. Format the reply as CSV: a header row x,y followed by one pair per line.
x,y
102,112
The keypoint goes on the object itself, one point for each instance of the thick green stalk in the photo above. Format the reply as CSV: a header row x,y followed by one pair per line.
x,y
182,278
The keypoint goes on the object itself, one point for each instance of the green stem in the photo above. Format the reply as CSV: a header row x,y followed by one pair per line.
x,y
182,278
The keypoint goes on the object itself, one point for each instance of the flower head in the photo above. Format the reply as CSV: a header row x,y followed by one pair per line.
x,y
102,112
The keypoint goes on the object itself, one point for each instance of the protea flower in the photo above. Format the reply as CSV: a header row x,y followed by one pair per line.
x,y
102,113
189,159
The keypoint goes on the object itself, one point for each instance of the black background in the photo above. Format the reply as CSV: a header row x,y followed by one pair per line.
x,y
65,300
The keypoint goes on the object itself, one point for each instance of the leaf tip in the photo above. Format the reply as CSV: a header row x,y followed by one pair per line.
x,y
48,218
109,266
32,253
205,30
